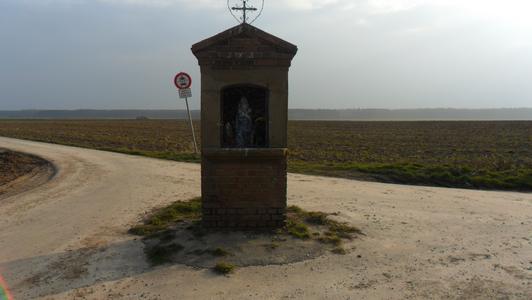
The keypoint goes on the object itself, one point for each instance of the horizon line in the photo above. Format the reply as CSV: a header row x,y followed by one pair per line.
x,y
329,109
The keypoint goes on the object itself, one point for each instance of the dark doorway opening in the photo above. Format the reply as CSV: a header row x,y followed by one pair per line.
x,y
244,117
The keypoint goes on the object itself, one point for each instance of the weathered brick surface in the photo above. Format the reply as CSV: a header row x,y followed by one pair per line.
x,y
243,192
244,188
244,47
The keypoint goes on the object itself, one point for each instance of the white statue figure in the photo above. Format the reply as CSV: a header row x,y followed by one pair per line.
x,y
244,124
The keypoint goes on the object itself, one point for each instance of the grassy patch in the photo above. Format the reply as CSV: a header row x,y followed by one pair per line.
x,y
182,157
319,226
298,221
342,230
330,238
446,176
224,268
316,217
297,229
162,218
161,230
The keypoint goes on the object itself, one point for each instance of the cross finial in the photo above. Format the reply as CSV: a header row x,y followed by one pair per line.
x,y
244,8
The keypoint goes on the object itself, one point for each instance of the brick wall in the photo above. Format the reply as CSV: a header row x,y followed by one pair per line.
x,y
242,190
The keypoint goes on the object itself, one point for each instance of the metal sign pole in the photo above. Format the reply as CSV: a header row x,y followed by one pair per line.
x,y
183,81
192,128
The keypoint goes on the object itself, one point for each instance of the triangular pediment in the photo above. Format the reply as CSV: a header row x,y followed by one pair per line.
x,y
246,38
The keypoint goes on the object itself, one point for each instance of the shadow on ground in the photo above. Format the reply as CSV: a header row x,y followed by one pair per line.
x,y
56,273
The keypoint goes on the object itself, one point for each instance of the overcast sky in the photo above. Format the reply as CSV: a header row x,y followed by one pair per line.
x,y
122,54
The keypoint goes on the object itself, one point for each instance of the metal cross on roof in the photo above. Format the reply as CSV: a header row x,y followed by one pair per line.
x,y
245,8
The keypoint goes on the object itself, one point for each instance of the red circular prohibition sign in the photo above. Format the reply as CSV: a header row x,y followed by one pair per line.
x,y
182,80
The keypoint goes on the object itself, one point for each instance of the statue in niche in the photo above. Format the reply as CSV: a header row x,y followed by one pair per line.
x,y
244,124
244,117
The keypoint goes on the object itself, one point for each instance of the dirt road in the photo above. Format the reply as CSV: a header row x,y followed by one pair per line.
x,y
67,239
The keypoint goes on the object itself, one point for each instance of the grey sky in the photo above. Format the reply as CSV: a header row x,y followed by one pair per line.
x,y
118,54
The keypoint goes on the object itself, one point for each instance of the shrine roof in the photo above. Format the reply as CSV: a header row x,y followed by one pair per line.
x,y
245,31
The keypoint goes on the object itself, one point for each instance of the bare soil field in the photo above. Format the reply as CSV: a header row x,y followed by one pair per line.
x,y
14,165
20,172
485,155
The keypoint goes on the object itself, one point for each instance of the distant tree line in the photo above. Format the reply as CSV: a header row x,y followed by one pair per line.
x,y
293,114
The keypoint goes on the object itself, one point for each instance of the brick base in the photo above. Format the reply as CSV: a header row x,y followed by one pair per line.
x,y
243,188
243,218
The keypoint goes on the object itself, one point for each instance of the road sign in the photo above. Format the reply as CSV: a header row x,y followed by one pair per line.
x,y
185,93
182,81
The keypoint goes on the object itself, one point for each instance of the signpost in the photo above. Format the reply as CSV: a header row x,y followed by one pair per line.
x,y
183,81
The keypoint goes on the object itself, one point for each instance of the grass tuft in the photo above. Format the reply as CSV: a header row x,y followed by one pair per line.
x,y
224,268
299,220
297,229
330,238
294,209
160,220
342,230
316,217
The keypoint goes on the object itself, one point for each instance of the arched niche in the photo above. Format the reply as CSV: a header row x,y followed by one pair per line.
x,y
244,119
